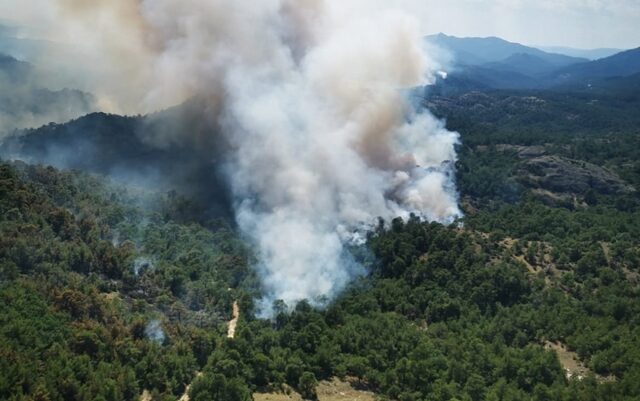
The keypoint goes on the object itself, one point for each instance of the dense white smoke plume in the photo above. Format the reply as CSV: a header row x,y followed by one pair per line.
x,y
312,96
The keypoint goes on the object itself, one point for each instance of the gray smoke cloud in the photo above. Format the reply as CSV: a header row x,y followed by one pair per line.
x,y
312,97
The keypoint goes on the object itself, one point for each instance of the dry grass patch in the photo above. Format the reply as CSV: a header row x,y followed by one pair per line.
x,y
333,390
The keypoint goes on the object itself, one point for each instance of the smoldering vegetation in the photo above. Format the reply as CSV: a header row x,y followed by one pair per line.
x,y
154,331
142,264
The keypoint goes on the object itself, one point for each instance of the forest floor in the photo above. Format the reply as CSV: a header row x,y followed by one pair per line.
x,y
334,390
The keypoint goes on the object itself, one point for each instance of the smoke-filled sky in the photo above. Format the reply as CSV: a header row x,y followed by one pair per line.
x,y
584,24
574,23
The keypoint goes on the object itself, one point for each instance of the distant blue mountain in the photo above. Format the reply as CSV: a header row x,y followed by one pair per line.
x,y
619,65
24,103
478,51
13,71
523,63
494,63
481,77
591,54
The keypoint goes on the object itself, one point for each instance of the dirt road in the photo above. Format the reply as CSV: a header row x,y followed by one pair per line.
x,y
234,321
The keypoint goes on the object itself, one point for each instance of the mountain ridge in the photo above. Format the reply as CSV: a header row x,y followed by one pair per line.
x,y
145,151
591,54
492,49
622,64
495,63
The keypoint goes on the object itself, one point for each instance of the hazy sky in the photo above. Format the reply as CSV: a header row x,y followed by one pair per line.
x,y
575,23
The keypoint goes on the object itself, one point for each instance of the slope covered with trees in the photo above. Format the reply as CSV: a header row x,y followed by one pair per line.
x,y
108,292
105,290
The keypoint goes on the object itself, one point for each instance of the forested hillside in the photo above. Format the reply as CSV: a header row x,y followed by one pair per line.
x,y
111,291
107,291
313,201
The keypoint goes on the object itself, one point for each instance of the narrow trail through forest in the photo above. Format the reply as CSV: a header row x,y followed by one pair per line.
x,y
146,395
185,396
234,320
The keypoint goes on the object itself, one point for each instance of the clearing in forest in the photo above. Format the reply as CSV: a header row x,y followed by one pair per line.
x,y
572,365
334,390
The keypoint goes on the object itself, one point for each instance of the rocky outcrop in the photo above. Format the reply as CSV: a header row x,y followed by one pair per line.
x,y
561,175
524,152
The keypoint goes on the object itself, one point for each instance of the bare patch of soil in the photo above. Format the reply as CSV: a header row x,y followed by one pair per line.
x,y
333,390
233,323
288,395
569,360
146,396
185,396
338,390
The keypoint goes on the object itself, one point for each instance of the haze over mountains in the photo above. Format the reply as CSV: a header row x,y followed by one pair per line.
x,y
475,64
133,150
494,63
26,102
591,54
479,51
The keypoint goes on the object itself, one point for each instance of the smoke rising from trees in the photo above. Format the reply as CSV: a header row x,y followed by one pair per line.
x,y
312,98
